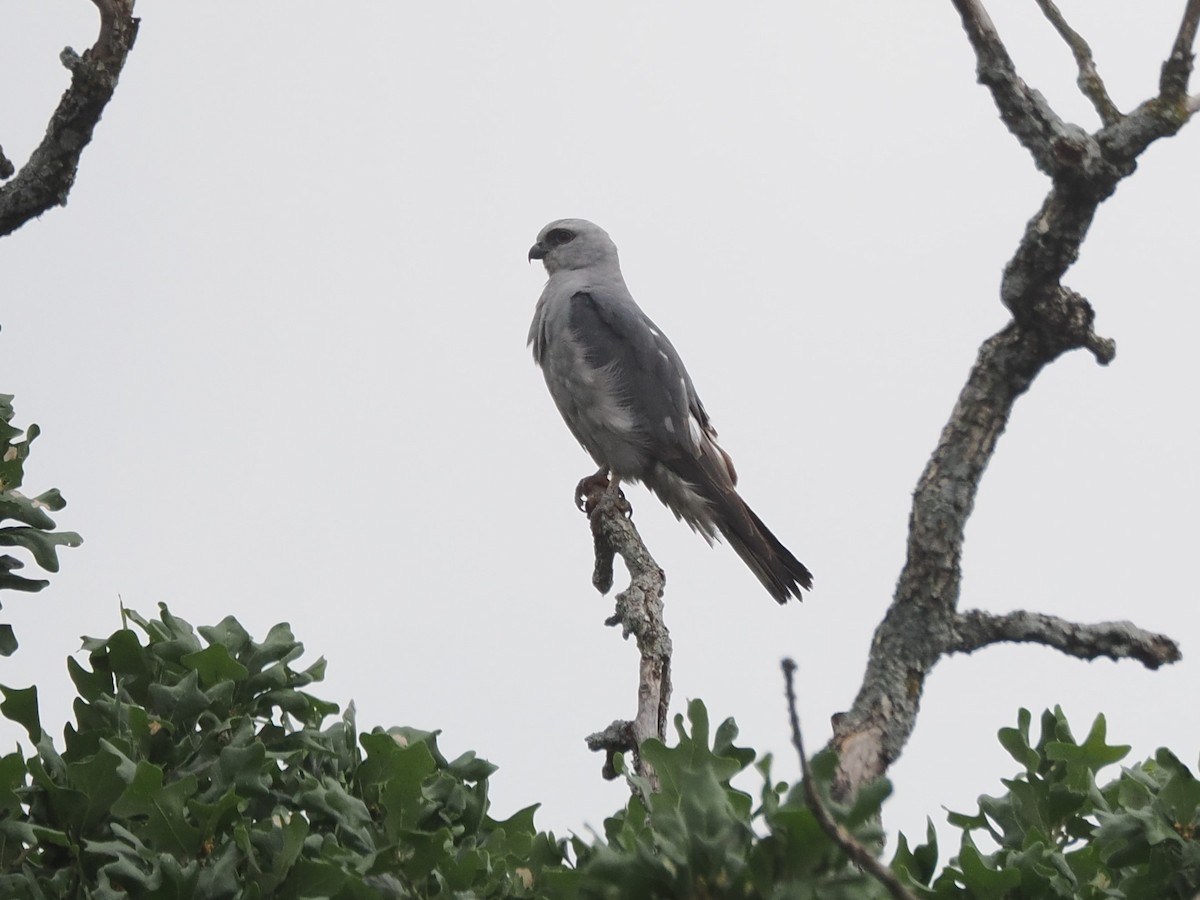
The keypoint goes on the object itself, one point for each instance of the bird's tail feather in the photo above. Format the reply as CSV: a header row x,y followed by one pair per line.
x,y
701,492
774,564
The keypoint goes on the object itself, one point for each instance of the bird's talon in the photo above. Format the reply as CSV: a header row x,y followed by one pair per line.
x,y
589,491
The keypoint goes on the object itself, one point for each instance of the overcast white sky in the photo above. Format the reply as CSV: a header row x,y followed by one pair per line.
x,y
276,344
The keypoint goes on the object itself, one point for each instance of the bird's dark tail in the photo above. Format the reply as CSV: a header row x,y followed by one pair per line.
x,y
780,572
702,492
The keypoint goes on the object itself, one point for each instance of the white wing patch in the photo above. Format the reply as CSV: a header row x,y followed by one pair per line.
x,y
669,425
606,407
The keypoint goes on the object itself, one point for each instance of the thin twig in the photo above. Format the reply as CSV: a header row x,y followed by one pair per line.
x,y
1089,81
858,854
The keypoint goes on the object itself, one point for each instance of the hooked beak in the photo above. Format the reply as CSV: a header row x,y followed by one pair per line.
x,y
537,251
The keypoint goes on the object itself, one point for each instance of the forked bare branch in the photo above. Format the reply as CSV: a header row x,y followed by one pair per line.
x,y
1048,319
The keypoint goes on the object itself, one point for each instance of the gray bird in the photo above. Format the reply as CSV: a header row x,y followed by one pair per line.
x,y
627,398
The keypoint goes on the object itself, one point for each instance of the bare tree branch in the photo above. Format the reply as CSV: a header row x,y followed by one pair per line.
x,y
1116,640
1089,81
1176,71
46,178
1161,116
922,624
1025,112
639,611
118,28
858,854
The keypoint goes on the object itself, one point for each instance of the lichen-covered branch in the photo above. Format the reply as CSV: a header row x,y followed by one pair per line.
x,y
1024,110
46,178
1048,319
639,612
1089,80
1173,85
1116,640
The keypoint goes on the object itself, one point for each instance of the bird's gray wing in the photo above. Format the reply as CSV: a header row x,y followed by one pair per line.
x,y
678,457
682,462
655,387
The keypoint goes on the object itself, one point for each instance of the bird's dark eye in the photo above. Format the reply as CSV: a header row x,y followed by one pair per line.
x,y
559,236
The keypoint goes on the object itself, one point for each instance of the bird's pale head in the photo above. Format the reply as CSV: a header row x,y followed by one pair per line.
x,y
567,244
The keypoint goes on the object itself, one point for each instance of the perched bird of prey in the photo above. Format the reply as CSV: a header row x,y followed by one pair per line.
x,y
627,398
